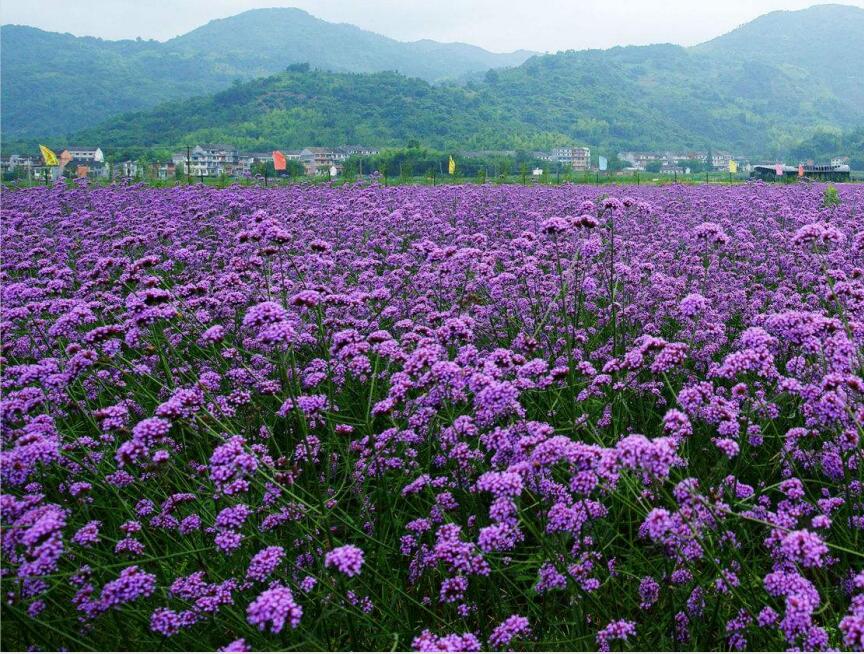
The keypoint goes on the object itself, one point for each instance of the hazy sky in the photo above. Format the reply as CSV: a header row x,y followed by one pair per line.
x,y
499,25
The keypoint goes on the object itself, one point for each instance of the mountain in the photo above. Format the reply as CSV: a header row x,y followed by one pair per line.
x,y
54,84
810,38
824,41
57,83
284,35
719,95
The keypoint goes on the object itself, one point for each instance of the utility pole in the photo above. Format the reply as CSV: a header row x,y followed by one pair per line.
x,y
188,165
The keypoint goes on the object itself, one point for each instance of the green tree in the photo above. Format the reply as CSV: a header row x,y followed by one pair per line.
x,y
695,165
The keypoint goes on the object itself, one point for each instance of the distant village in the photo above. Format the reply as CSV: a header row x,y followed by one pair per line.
x,y
222,160
207,160
671,163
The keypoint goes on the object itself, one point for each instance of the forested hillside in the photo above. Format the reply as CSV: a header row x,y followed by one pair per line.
x,y
54,84
724,94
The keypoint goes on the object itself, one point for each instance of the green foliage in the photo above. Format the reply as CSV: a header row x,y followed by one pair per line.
x,y
416,160
822,43
719,94
830,196
520,110
54,83
695,165
828,143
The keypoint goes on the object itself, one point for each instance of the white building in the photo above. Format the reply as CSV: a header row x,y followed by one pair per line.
x,y
84,153
246,161
21,163
127,169
209,160
575,158
720,160
641,159
318,160
348,151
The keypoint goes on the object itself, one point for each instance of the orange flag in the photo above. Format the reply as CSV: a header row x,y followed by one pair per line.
x,y
279,162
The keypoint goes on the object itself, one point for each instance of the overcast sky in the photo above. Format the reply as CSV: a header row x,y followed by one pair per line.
x,y
498,25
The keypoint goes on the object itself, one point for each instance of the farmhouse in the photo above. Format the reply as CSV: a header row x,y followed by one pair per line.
x,y
720,160
347,151
640,160
315,159
211,160
162,169
21,165
575,158
127,168
94,168
208,160
82,154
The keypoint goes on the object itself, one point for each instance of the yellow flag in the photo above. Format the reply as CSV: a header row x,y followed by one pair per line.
x,y
733,166
48,156
451,167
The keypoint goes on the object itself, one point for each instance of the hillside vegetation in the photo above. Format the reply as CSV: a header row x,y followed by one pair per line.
x,y
724,94
57,83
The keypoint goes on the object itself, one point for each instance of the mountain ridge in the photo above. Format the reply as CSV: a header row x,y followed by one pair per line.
x,y
305,15
715,94
98,78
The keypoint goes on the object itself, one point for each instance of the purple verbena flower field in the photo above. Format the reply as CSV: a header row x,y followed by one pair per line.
x,y
452,418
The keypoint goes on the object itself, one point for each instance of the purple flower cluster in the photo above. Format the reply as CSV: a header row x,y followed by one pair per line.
x,y
513,627
617,630
275,607
347,559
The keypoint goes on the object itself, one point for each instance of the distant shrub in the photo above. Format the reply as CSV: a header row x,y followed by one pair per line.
x,y
831,198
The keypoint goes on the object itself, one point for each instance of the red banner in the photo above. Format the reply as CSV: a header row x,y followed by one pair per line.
x,y
279,162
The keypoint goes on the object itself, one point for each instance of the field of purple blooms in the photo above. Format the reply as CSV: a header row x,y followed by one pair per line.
x,y
453,418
